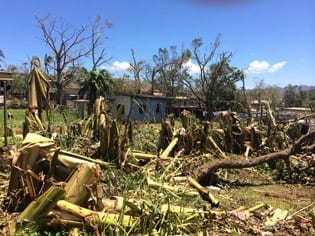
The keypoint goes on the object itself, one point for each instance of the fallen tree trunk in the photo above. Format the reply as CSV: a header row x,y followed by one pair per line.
x,y
42,205
79,186
172,189
205,172
93,218
169,148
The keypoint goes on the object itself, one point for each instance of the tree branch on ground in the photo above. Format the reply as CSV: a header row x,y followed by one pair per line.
x,y
205,172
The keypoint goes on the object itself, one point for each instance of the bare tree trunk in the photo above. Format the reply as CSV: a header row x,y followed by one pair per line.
x,y
59,95
246,104
153,81
204,173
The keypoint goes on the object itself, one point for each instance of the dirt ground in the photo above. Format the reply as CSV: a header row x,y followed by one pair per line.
x,y
298,200
248,188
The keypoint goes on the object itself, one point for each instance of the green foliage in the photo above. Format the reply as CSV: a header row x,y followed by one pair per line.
x,y
151,221
59,116
59,120
145,138
19,84
295,96
294,131
169,72
36,230
265,92
98,83
216,79
309,100
12,140
133,185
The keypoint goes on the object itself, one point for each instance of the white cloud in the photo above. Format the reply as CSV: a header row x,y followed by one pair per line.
x,y
257,67
277,66
120,66
191,67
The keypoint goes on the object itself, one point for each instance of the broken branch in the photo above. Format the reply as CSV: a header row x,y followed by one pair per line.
x,y
202,174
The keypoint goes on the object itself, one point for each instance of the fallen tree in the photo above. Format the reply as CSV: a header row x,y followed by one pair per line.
x,y
204,173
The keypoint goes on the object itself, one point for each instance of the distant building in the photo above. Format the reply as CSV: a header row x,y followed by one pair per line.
x,y
139,107
292,113
186,103
258,109
70,94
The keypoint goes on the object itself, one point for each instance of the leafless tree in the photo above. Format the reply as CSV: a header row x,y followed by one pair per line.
x,y
98,52
68,46
136,67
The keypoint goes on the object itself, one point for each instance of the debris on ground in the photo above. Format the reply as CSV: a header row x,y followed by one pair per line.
x,y
112,188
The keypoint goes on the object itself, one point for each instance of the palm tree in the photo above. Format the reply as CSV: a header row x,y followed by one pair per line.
x,y
98,83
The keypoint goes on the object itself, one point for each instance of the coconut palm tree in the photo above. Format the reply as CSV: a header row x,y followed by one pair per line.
x,y
98,83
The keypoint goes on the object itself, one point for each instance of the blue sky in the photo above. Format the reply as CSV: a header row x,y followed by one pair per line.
x,y
273,40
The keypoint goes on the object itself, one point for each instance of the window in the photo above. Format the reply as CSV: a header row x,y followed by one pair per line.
x,y
120,109
158,108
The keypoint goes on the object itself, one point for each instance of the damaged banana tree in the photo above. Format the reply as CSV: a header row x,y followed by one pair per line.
x,y
42,174
38,100
60,188
49,185
102,127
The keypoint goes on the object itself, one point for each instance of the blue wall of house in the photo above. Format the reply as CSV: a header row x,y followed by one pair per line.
x,y
121,100
151,109
141,107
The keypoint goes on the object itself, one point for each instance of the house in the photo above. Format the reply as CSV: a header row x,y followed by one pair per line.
x,y
293,113
258,109
139,107
182,103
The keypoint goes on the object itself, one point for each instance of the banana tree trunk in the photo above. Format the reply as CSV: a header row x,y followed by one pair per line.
x,y
78,188
95,217
42,205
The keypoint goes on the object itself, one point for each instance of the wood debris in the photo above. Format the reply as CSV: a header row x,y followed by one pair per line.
x,y
53,187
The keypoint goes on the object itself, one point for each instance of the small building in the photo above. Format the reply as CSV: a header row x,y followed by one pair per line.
x,y
258,109
139,107
180,104
293,113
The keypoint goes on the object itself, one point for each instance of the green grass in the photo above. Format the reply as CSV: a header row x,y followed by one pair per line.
x,y
57,117
146,137
252,195
15,126
18,118
61,116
